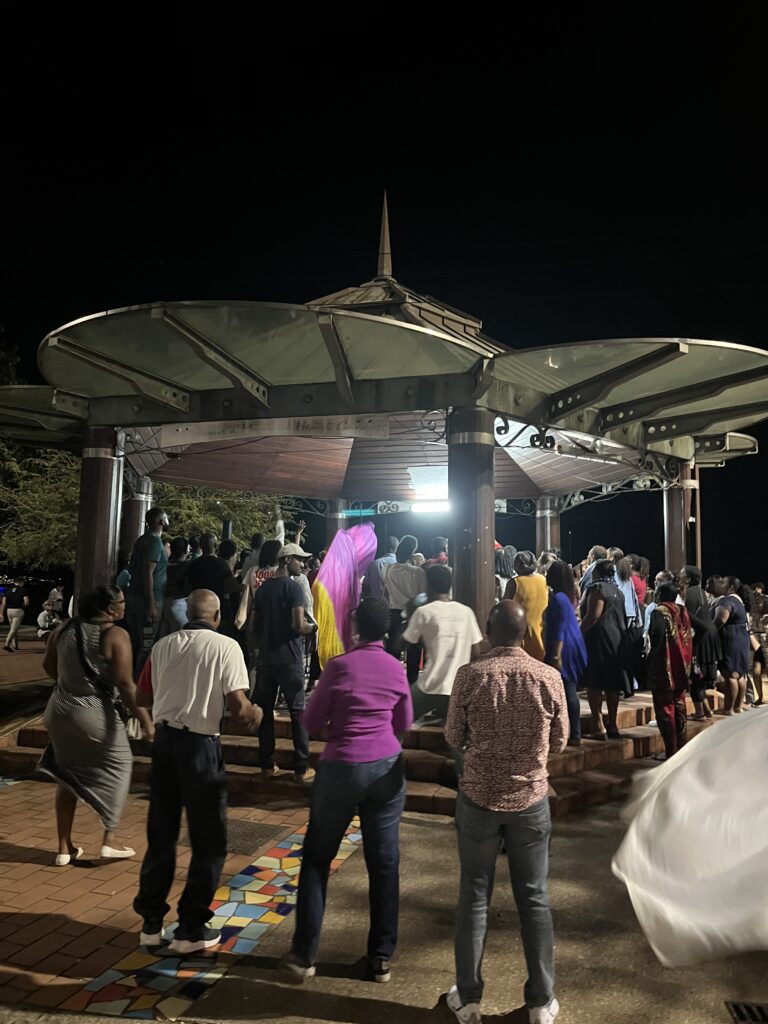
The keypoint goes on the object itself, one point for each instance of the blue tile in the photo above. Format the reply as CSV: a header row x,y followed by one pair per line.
x,y
252,910
228,931
170,964
239,880
285,845
250,870
160,983
244,946
228,909
254,930
104,979
139,1014
284,909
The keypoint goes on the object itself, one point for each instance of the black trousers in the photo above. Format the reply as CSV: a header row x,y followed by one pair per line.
x,y
289,680
187,771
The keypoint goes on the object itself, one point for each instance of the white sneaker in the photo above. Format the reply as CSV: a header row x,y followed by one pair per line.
x,y
544,1014
467,1014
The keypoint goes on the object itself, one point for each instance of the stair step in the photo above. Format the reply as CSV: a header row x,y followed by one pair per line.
x,y
245,781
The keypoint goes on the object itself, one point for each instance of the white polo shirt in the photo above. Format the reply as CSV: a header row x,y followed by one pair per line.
x,y
192,672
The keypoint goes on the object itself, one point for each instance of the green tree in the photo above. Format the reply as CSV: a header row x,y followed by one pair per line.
x,y
38,507
195,510
39,495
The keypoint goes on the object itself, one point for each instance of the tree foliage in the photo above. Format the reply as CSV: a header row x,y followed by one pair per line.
x,y
195,510
39,496
38,507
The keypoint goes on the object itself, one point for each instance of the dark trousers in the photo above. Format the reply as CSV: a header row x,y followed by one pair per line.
x,y
672,718
413,662
289,680
377,790
574,708
187,771
396,629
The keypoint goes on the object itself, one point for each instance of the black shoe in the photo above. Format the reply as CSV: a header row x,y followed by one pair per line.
x,y
194,941
380,968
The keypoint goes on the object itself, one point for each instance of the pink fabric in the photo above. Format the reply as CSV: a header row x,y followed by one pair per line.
x,y
345,564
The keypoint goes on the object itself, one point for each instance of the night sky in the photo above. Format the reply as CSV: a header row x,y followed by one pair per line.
x,y
568,186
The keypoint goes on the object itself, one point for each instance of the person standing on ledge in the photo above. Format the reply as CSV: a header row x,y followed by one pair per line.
x,y
187,679
509,713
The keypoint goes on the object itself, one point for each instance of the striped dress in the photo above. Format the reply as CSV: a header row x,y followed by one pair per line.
x,y
88,750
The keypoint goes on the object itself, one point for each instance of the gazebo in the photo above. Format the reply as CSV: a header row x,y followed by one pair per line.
x,y
381,397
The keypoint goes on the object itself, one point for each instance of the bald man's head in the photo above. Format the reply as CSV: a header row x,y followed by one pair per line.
x,y
507,624
204,605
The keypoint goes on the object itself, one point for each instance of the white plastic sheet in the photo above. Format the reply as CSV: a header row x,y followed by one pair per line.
x,y
694,857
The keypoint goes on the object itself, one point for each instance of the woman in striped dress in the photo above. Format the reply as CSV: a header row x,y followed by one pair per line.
x,y
88,753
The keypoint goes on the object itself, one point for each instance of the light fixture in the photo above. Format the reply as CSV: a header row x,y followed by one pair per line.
x,y
574,452
430,506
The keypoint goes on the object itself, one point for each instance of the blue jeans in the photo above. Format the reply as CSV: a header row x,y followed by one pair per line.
x,y
376,789
526,836
289,680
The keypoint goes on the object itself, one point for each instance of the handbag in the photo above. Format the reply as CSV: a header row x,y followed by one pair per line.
x,y
105,689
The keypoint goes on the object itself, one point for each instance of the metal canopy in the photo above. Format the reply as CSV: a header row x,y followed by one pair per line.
x,y
343,396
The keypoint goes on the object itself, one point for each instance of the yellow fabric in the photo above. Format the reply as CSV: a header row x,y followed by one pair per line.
x,y
329,643
533,595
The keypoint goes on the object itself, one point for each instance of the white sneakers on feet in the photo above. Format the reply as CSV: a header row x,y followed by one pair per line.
x,y
544,1014
464,1014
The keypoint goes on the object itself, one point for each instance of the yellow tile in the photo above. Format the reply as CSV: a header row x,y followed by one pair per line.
x,y
257,897
239,922
146,1002
133,961
267,862
291,862
271,918
222,893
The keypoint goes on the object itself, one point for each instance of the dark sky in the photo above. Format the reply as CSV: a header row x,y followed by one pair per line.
x,y
565,184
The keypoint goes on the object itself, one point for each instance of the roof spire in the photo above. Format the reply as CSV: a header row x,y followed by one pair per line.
x,y
385,251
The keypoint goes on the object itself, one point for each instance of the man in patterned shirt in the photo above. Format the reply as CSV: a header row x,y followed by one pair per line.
x,y
508,711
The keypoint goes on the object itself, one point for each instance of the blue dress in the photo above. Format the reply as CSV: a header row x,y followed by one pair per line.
x,y
561,624
734,636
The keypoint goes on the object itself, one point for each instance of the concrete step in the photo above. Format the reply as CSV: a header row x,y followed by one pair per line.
x,y
244,782
420,765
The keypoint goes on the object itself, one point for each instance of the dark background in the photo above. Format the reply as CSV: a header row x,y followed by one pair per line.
x,y
569,179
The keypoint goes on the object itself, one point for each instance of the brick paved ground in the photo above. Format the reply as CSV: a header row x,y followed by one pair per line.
x,y
24,665
61,928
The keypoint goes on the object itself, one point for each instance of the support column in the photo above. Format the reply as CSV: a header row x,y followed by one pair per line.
x,y
677,511
98,523
547,524
335,520
697,513
135,508
471,445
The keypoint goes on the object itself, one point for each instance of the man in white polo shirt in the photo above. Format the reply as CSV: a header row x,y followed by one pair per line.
x,y
186,681
449,632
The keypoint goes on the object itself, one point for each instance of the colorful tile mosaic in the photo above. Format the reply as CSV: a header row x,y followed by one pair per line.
x,y
143,986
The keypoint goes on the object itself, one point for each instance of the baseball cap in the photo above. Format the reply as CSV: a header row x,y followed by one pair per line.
x,y
291,551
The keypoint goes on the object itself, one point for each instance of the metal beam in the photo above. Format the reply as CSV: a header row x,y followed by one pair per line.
x,y
588,392
210,353
70,405
157,388
484,376
47,420
641,408
399,394
338,356
693,423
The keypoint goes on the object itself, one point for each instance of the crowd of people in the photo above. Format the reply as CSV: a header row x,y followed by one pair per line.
x,y
211,632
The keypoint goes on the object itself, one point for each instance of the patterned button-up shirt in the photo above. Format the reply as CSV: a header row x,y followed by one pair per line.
x,y
509,711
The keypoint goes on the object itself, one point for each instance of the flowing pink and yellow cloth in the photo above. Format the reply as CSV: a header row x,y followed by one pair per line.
x,y
336,590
